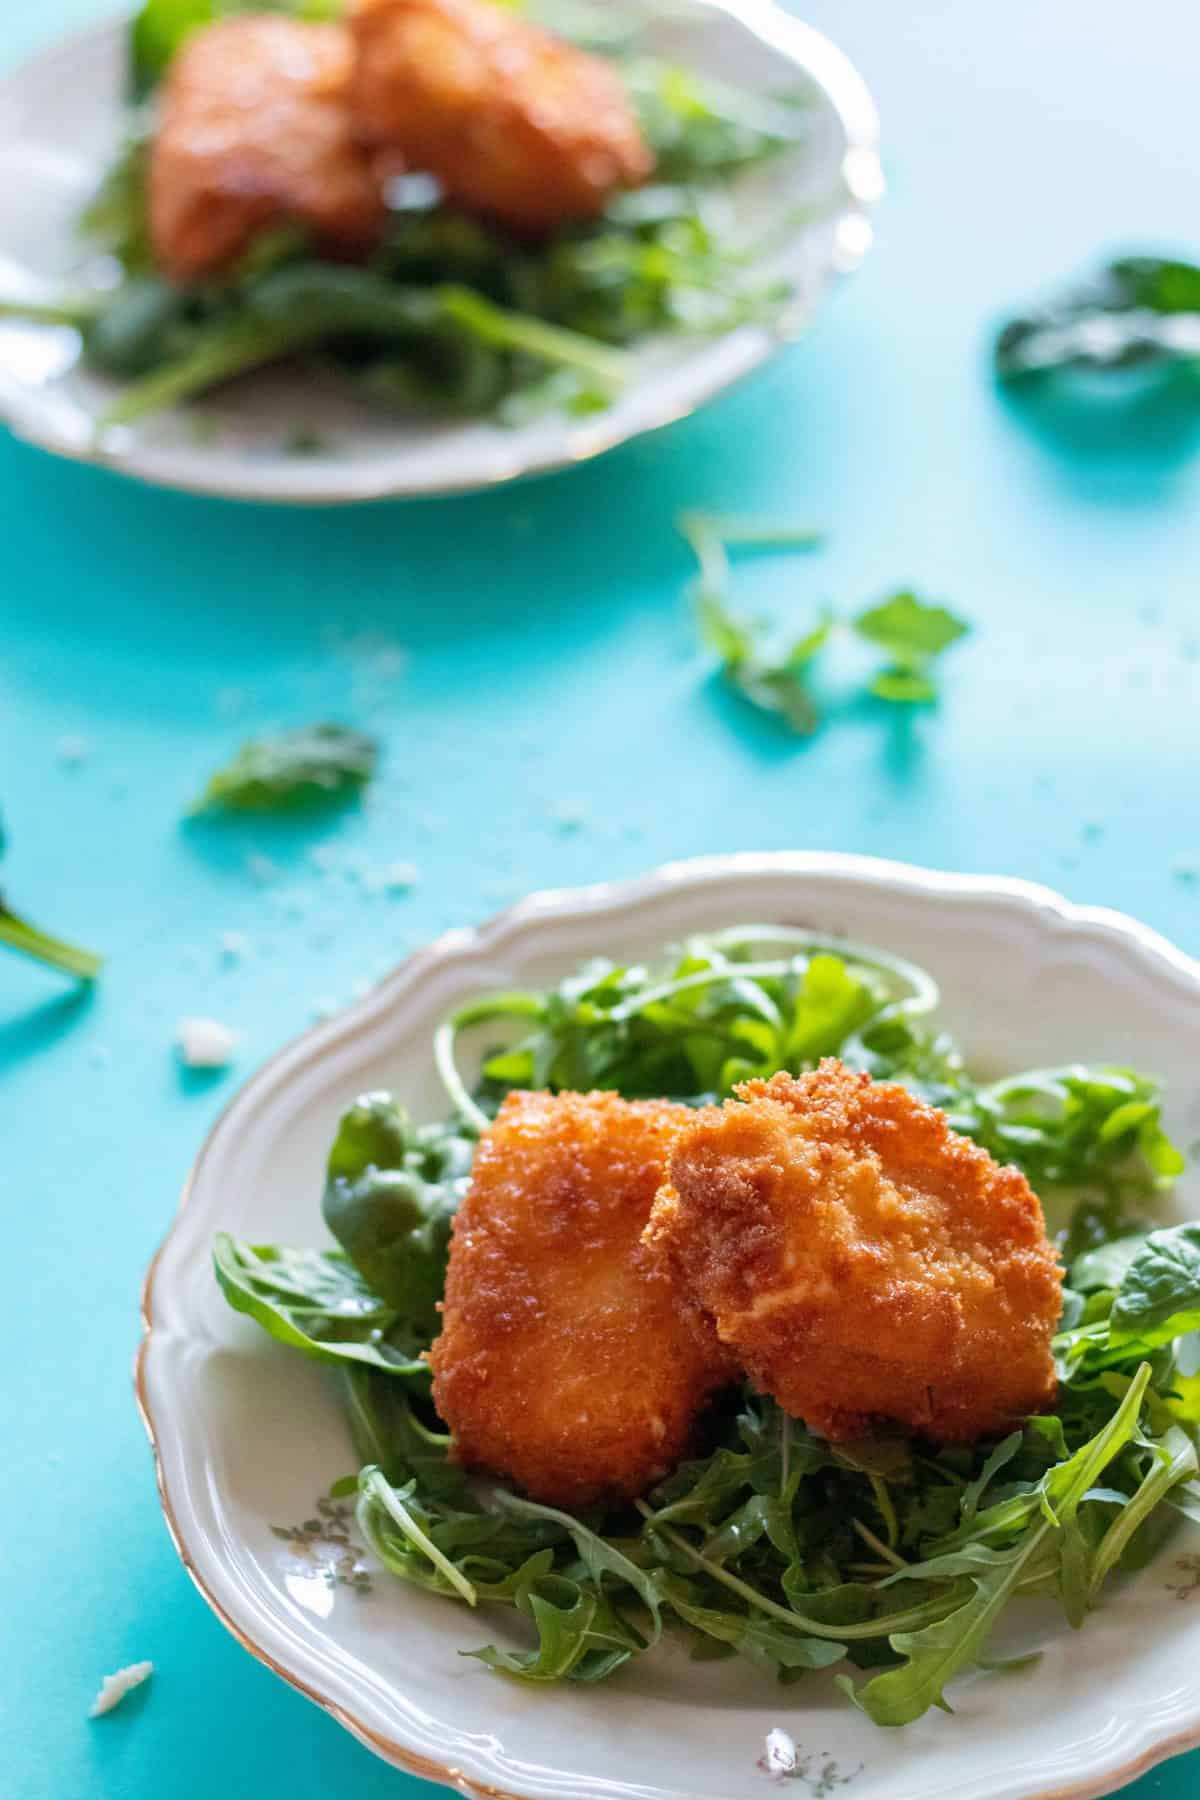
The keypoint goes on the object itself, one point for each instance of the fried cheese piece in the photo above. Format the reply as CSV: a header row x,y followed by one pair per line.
x,y
256,132
865,1262
568,1361
513,122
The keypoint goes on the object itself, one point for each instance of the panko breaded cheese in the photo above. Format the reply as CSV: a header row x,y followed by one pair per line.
x,y
569,1361
513,122
864,1261
256,132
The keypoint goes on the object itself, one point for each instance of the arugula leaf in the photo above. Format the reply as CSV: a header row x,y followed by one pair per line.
x,y
29,940
914,634
937,1652
1137,311
1159,1298
314,1301
313,762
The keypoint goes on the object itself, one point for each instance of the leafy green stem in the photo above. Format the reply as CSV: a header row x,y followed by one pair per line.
x,y
20,935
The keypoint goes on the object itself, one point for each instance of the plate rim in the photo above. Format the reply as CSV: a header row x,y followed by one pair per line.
x,y
861,186
1151,946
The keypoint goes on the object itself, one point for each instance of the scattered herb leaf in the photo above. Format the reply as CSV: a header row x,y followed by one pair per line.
x,y
1139,310
314,762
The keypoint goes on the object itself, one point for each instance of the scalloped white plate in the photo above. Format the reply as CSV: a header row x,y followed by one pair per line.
x,y
61,118
247,1435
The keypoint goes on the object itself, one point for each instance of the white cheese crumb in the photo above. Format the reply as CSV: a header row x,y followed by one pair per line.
x,y
780,1757
205,1043
114,1688
568,816
72,749
400,876
234,946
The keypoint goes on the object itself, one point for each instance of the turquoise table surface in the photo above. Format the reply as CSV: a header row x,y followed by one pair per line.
x,y
551,721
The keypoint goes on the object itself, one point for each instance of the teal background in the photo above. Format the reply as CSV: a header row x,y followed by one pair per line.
x,y
553,722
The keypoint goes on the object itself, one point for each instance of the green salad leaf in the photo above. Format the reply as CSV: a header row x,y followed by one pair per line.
x,y
390,1197
1159,1294
30,940
1138,311
772,1544
314,1301
313,762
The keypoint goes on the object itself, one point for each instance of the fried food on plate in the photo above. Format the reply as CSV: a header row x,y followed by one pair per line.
x,y
864,1261
512,121
569,1361
256,132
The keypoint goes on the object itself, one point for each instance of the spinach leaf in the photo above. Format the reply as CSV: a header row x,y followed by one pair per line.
x,y
314,762
390,1197
314,1301
30,940
1137,311
1159,1298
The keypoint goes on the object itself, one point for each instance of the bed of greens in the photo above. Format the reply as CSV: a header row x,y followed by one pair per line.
x,y
450,315
890,1558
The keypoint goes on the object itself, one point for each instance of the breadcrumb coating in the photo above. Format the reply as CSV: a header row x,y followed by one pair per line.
x,y
515,123
569,1361
256,132
865,1262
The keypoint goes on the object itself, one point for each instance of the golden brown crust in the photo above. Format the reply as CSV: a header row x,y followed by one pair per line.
x,y
256,132
568,1360
513,122
865,1261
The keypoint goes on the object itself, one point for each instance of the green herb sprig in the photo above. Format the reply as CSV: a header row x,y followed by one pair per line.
x,y
776,679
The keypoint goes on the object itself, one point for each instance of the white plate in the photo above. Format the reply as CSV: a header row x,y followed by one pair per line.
x,y
61,118
248,1434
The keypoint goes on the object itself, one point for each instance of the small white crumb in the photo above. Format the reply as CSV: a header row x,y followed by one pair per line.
x,y
780,1757
205,1043
72,749
234,946
114,1688
568,816
398,877
260,868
